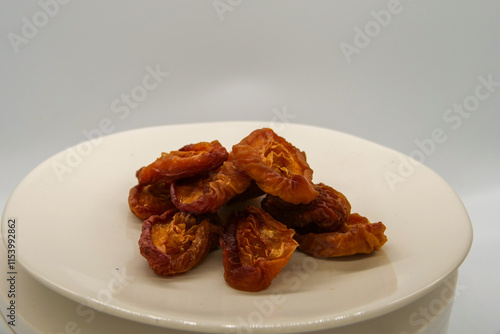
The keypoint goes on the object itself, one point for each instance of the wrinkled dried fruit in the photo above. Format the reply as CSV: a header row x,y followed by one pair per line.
x,y
208,193
356,236
180,195
326,213
255,248
188,161
151,199
175,242
278,167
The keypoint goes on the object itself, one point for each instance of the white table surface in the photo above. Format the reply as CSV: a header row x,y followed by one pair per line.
x,y
421,77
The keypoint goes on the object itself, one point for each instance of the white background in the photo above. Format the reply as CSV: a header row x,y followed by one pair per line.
x,y
66,69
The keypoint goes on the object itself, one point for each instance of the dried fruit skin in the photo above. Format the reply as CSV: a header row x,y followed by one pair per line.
x,y
175,242
188,161
208,193
151,199
357,236
326,213
278,167
255,248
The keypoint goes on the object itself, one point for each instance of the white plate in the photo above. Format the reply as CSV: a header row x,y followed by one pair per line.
x,y
76,235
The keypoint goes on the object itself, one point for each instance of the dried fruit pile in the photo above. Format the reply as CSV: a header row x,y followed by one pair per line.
x,y
178,196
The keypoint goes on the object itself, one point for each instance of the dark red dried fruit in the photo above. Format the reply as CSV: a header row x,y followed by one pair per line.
x,y
255,249
188,161
278,167
357,236
208,193
150,199
326,213
175,242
